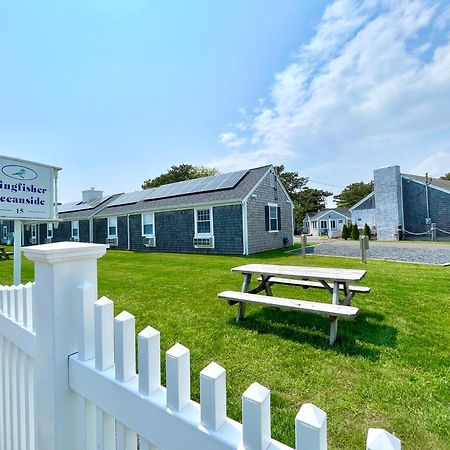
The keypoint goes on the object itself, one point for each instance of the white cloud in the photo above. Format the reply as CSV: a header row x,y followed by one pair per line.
x,y
435,165
372,86
232,140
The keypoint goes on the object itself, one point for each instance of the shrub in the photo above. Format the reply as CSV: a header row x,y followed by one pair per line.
x,y
355,232
345,232
367,230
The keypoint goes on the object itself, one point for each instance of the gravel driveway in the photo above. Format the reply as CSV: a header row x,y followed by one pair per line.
x,y
422,252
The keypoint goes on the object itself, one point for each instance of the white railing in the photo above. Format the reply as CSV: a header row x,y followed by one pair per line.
x,y
88,395
17,353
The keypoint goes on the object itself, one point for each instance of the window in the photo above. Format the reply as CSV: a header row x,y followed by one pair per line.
x,y
112,227
314,224
5,232
203,222
148,224
33,231
332,224
323,224
273,219
75,227
340,221
49,230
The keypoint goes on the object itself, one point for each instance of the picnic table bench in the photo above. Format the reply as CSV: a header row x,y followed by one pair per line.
x,y
4,254
332,280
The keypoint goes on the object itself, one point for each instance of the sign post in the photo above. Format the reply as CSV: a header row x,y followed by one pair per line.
x,y
27,194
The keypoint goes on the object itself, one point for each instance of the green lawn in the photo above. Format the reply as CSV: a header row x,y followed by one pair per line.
x,y
390,368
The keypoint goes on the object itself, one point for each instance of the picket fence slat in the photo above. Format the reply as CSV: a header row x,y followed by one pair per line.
x,y
149,361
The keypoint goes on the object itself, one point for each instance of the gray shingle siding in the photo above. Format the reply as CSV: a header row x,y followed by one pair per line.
x,y
84,230
387,184
259,239
100,231
368,204
174,231
415,209
122,232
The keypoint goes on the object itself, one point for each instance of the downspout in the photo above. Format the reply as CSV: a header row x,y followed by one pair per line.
x,y
128,231
91,230
244,228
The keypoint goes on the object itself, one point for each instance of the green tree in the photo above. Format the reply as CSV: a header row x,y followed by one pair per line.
x,y
181,172
353,193
355,232
367,231
305,199
446,176
345,232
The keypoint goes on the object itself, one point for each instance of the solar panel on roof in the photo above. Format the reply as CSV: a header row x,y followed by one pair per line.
x,y
212,183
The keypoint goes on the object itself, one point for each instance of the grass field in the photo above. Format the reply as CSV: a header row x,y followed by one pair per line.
x,y
390,368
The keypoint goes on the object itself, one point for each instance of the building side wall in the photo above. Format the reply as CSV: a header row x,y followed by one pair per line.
x,y
388,211
174,231
415,209
63,232
368,204
363,216
122,232
100,231
84,230
259,239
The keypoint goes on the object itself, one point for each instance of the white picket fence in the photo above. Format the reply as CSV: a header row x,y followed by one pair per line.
x,y
70,382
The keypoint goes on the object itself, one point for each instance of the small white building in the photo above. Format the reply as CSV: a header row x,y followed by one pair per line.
x,y
326,222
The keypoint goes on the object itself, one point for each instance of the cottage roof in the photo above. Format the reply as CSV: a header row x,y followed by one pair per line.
x,y
232,187
436,182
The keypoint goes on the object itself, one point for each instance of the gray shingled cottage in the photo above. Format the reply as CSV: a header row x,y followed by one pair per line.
x,y
242,212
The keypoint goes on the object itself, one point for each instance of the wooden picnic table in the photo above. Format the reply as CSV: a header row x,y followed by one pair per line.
x,y
4,254
332,280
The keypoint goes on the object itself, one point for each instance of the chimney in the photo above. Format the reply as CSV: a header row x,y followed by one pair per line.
x,y
90,195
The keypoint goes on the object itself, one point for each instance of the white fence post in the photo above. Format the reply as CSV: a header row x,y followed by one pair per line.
x,y
379,439
256,417
59,270
310,428
213,396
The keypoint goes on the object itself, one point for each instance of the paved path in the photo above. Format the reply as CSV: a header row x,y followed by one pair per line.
x,y
420,252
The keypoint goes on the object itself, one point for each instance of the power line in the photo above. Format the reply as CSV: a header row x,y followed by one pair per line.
x,y
327,184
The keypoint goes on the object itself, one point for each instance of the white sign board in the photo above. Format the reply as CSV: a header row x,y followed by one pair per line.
x,y
27,190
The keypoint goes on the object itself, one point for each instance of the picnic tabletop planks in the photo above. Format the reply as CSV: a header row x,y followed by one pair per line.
x,y
319,273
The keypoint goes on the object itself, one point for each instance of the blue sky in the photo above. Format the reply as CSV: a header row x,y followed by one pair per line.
x,y
116,92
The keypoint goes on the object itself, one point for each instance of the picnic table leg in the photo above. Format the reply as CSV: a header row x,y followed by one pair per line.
x,y
267,286
334,320
347,300
245,286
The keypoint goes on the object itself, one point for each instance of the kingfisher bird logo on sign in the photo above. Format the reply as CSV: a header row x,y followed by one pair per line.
x,y
19,172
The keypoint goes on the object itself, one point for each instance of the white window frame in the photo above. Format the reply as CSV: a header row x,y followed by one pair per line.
x,y
152,215
323,222
275,206
33,231
50,231
75,225
112,222
340,221
5,232
332,221
211,220
314,224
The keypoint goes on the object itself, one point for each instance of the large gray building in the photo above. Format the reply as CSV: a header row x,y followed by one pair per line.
x,y
410,203
242,212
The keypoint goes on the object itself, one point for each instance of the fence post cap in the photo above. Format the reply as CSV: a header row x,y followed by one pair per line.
x,y
379,439
64,252
311,415
213,371
177,350
256,392
148,332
